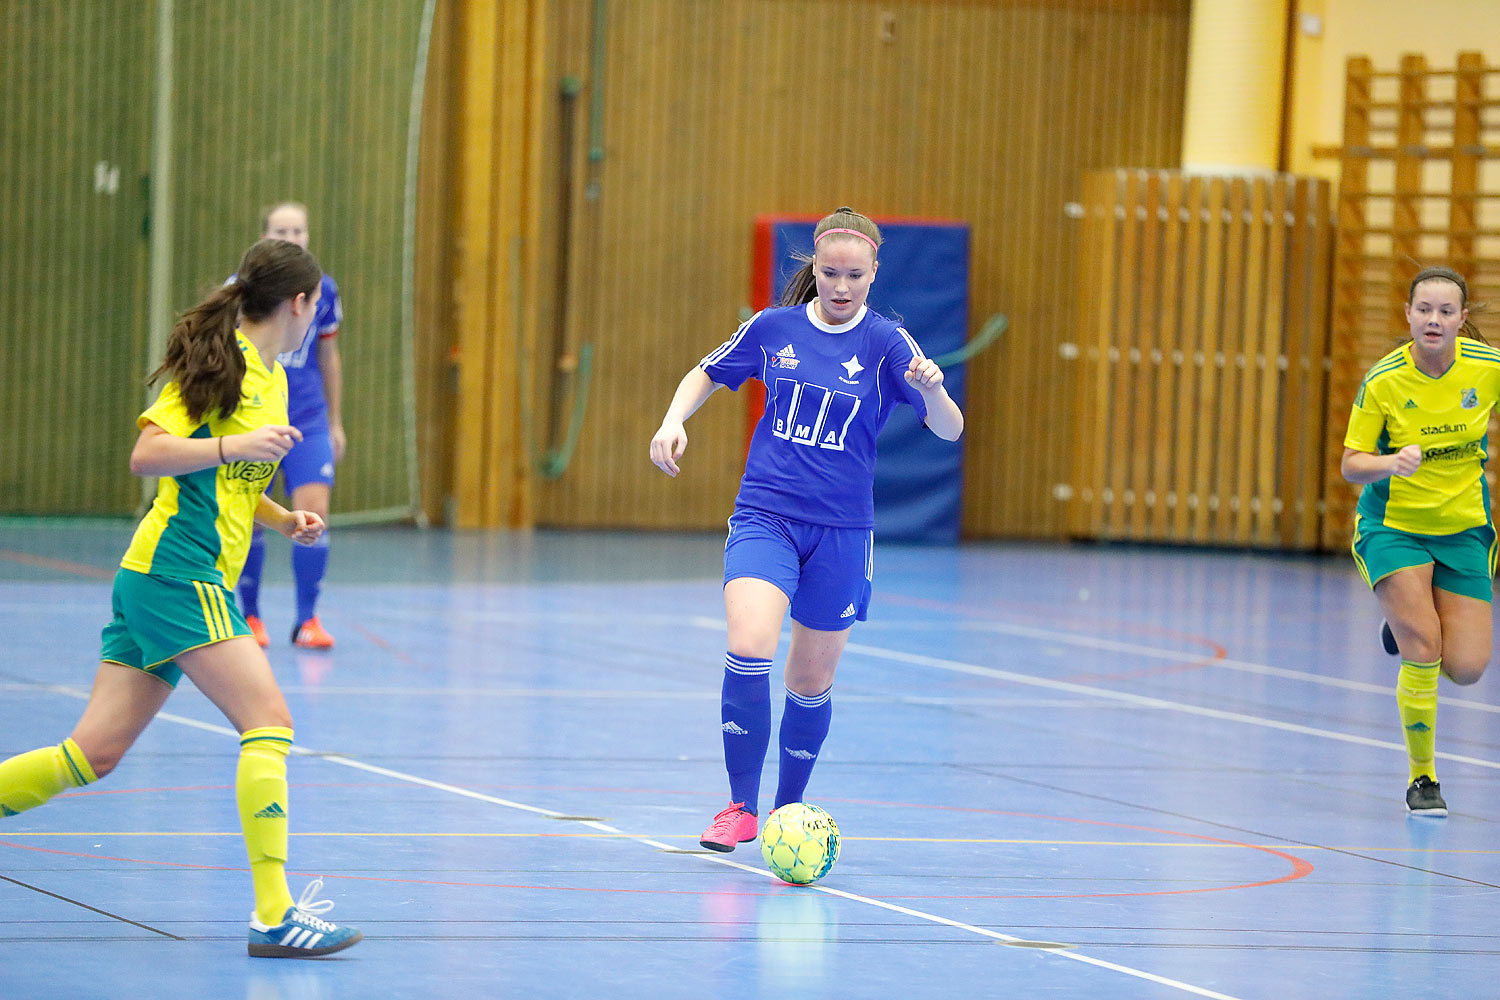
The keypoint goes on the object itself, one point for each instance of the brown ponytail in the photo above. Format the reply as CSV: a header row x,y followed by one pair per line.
x,y
803,287
203,357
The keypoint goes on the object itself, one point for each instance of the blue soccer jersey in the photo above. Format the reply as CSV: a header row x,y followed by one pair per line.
x,y
307,406
304,379
829,390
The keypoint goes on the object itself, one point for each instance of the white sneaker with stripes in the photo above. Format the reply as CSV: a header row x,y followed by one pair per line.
x,y
302,933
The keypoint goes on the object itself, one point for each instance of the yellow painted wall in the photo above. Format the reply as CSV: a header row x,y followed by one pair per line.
x,y
1382,30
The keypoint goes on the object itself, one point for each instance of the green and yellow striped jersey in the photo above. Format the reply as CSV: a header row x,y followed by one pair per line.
x,y
1397,405
199,526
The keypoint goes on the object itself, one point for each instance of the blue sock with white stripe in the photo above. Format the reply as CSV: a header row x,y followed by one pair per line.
x,y
309,563
745,711
804,726
255,561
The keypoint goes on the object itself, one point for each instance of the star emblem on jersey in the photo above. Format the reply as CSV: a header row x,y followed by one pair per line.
x,y
852,366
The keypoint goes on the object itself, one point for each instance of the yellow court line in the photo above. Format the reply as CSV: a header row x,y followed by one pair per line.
x,y
677,836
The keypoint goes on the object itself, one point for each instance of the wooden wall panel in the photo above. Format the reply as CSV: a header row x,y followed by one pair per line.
x,y
272,99
714,113
500,254
1202,367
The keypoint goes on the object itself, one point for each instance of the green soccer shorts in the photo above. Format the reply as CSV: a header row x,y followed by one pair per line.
x,y
1462,563
157,619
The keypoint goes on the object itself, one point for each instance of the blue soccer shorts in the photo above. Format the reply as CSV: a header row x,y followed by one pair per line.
x,y
825,572
309,461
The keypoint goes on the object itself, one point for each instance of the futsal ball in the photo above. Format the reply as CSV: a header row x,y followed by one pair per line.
x,y
800,843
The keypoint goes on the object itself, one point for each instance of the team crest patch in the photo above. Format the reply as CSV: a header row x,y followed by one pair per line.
x,y
1470,399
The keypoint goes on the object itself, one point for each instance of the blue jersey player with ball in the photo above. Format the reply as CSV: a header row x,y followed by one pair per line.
x,y
801,534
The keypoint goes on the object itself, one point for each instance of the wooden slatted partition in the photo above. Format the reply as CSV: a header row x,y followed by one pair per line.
x,y
74,144
270,100
1203,305
1419,186
325,122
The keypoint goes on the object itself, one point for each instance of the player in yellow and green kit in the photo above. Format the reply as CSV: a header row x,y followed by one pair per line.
x,y
213,438
1423,536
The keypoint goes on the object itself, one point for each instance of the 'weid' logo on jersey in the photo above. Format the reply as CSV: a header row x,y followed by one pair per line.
x,y
248,477
812,415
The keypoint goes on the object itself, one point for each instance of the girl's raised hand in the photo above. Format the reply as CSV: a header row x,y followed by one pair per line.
x,y
264,444
924,374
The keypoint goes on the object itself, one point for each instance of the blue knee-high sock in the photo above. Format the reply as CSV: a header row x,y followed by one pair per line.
x,y
804,725
309,563
255,561
745,711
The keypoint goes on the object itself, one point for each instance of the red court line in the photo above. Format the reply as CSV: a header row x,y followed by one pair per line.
x,y
60,565
1300,868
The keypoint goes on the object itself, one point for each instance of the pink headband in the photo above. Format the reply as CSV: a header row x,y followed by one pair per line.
x,y
849,232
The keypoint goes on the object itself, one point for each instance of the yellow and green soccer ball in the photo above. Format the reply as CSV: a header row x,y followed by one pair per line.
x,y
800,843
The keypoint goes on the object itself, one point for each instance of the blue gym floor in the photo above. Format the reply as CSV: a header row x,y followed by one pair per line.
x,y
1083,772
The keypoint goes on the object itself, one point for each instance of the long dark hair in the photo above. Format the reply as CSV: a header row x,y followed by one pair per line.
x,y
803,287
1448,274
202,356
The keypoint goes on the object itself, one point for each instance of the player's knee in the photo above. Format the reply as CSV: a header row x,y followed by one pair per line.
x,y
1420,645
102,756
809,687
749,644
1464,671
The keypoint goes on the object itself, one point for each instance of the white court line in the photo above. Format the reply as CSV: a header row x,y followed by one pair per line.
x,y
1145,701
1177,655
1078,639
1148,702
335,758
1186,657
1025,631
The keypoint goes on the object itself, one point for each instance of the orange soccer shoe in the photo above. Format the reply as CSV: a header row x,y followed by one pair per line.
x,y
731,827
310,635
258,629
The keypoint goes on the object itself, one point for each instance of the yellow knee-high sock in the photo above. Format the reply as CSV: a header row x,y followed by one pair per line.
x,y
1416,697
260,792
30,779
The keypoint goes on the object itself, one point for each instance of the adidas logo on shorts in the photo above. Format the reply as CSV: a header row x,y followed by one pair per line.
x,y
848,612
